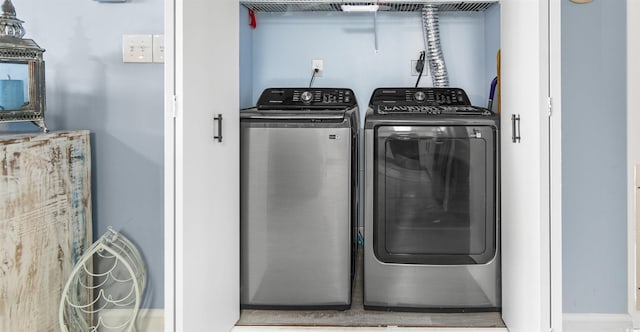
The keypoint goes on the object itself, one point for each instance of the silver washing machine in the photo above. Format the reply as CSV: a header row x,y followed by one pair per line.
x,y
431,202
298,200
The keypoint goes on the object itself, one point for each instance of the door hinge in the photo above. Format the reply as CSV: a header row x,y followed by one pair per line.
x,y
173,106
549,106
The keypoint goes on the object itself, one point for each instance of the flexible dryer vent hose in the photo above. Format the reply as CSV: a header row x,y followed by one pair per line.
x,y
431,31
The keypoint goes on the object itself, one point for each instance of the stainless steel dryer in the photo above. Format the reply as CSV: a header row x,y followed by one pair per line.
x,y
431,202
298,199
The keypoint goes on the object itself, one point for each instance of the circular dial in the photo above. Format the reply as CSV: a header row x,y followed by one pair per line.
x,y
306,97
419,96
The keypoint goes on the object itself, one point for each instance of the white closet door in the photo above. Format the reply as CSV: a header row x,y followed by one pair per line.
x,y
206,185
526,231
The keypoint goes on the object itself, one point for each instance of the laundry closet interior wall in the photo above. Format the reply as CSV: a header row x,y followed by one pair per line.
x,y
283,45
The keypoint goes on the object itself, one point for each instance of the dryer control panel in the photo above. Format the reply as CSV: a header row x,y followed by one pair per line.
x,y
432,101
306,99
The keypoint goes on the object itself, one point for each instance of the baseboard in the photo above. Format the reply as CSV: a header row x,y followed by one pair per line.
x,y
597,323
149,320
635,317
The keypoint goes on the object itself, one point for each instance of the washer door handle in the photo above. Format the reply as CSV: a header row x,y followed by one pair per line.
x,y
219,120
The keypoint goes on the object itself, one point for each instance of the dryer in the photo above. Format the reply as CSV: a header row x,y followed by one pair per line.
x,y
431,202
298,201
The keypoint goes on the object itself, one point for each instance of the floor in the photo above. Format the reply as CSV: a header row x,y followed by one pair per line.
x,y
357,319
362,329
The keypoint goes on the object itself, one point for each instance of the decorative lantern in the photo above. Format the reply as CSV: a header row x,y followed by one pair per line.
x,y
22,86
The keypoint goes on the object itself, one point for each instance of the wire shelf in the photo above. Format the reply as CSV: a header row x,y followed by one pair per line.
x,y
279,6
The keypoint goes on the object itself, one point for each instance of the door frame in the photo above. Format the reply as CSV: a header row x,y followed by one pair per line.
x,y
169,166
633,150
555,161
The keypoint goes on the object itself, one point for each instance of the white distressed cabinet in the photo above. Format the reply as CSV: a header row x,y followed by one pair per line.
x,y
45,223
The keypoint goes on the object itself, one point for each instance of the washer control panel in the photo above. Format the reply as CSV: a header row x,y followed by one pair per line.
x,y
306,98
432,101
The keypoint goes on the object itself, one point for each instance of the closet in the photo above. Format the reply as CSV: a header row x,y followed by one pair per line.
x,y
202,173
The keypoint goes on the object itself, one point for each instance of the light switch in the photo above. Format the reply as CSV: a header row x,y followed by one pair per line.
x,y
137,48
158,48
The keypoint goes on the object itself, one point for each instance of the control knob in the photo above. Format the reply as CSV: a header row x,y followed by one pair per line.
x,y
306,97
419,96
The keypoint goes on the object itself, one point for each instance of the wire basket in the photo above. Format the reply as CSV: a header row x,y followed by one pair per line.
x,y
104,291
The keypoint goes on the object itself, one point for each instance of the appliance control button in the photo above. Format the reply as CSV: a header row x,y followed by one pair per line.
x,y
420,96
306,97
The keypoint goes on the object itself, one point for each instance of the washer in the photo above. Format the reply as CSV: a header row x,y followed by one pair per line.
x,y
298,201
431,202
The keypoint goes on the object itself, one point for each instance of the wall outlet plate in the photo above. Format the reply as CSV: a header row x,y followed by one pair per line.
x,y
318,64
158,48
137,48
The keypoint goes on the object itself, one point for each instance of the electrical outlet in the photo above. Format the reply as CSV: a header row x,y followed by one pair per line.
x,y
137,48
318,64
158,48
414,72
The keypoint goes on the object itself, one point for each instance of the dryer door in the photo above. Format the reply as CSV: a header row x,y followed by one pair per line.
x,y
435,194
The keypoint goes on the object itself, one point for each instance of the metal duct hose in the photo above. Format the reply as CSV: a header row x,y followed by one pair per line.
x,y
431,31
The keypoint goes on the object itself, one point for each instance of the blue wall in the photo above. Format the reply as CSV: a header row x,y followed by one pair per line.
x,y
88,87
594,157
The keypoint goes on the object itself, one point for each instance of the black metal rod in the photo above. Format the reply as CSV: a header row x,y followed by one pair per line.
x,y
219,120
515,128
518,126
